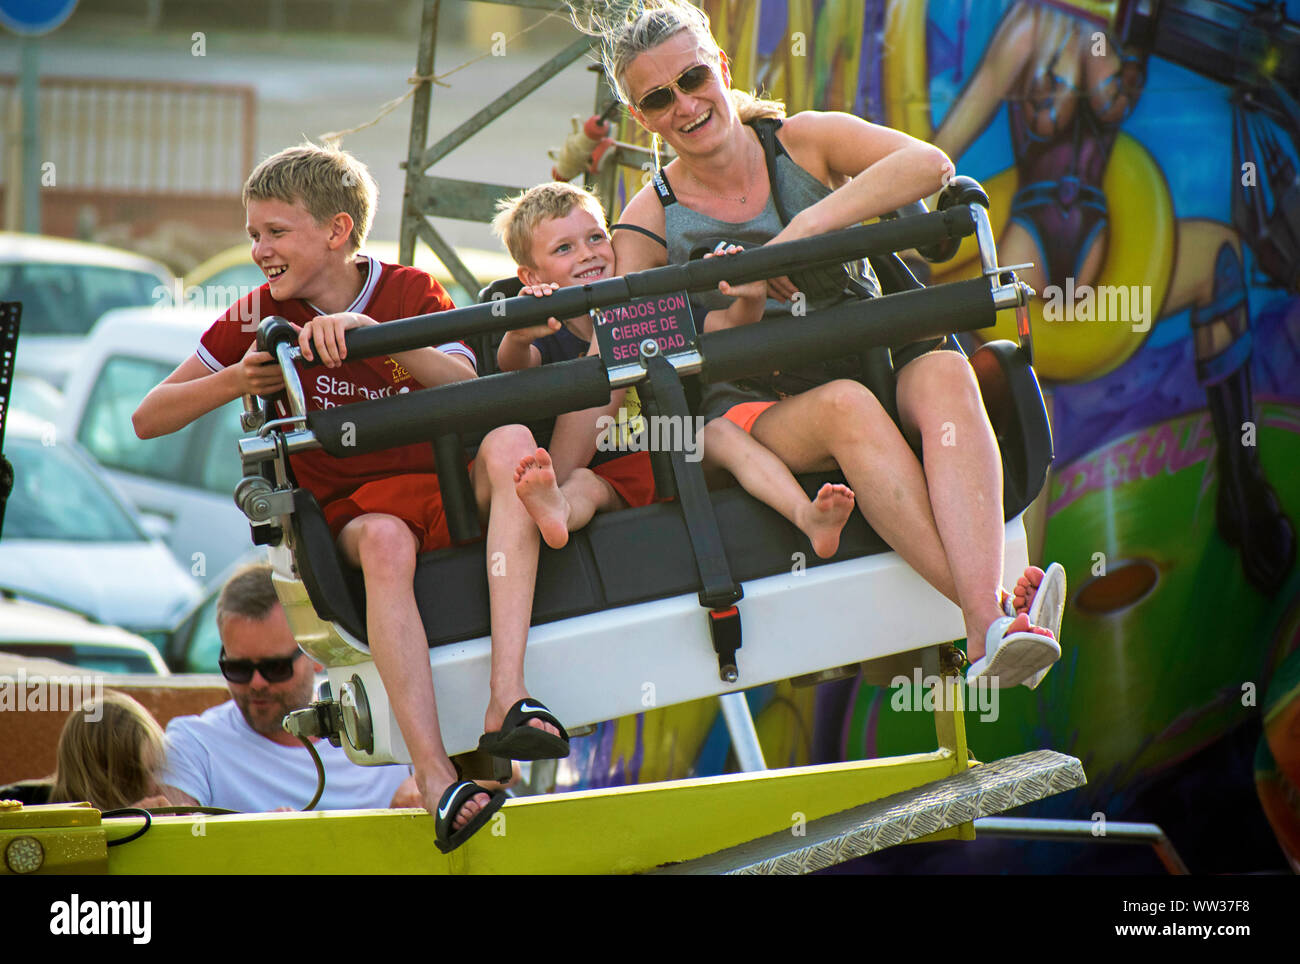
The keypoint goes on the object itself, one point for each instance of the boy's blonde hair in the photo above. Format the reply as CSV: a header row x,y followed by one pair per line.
x,y
109,752
324,180
518,217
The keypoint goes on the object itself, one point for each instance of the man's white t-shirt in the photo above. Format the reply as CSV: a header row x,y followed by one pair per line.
x,y
220,761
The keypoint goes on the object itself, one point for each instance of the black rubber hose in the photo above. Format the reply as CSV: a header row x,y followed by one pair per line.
x,y
129,812
320,774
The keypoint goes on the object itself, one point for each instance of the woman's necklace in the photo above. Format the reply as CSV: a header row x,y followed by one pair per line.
x,y
749,179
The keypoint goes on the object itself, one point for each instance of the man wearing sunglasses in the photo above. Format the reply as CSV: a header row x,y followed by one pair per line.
x,y
237,756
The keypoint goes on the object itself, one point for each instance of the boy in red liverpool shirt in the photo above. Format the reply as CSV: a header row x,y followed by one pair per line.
x,y
308,212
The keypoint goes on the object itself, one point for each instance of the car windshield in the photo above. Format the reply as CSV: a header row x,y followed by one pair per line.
x,y
67,299
201,454
56,496
205,644
105,659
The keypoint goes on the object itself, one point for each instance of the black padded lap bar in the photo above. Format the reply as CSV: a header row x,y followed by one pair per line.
x,y
763,262
462,407
844,328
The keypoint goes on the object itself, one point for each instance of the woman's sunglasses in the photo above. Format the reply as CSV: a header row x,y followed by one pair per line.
x,y
688,82
273,670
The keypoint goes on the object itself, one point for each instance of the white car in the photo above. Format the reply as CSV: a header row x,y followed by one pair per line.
x,y
29,629
182,483
70,539
65,286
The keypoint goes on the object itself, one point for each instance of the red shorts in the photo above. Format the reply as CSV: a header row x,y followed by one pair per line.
x,y
415,499
746,413
631,477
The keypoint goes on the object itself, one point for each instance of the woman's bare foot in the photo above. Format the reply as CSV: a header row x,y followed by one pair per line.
x,y
825,516
1022,597
976,632
535,485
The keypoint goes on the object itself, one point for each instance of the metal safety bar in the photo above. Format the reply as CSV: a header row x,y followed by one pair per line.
x,y
1085,831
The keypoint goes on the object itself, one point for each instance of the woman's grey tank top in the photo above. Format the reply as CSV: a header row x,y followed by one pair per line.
x,y
687,231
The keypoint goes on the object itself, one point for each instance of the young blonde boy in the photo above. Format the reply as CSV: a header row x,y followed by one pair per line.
x,y
556,234
308,212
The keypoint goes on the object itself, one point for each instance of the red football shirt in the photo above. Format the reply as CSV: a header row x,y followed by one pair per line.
x,y
390,292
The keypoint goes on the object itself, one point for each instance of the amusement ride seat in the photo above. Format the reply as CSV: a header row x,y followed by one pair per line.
x,y
619,607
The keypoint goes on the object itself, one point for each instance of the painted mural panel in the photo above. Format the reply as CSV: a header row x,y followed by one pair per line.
x,y
1143,164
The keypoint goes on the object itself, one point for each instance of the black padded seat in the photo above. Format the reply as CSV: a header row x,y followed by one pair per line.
x,y
638,555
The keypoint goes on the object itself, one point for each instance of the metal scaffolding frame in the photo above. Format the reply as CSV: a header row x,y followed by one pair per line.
x,y
429,196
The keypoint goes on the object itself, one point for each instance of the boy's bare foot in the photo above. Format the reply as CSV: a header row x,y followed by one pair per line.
x,y
431,788
499,707
546,504
825,516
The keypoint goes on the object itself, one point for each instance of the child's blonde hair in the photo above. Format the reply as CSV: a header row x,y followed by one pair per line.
x,y
518,217
109,751
324,180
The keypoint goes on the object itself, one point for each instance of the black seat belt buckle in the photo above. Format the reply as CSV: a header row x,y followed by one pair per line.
x,y
724,628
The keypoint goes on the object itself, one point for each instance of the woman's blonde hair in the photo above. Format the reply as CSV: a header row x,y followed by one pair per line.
x,y
628,30
109,751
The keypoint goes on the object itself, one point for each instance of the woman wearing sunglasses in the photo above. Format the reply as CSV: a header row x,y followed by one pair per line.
x,y
833,170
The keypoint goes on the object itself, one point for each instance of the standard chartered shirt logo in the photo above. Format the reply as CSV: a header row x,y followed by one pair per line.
x,y
331,391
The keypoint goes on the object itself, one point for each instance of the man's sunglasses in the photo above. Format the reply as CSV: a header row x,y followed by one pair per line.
x,y
688,82
273,670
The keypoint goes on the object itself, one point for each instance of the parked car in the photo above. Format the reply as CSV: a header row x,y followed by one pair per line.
x,y
183,483
35,396
71,539
65,286
29,629
231,274
194,645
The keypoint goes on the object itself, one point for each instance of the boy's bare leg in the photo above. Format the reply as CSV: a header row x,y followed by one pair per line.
x,y
385,549
587,493
768,479
559,510
512,546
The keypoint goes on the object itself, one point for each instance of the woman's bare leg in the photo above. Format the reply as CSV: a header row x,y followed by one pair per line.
x,y
842,424
939,403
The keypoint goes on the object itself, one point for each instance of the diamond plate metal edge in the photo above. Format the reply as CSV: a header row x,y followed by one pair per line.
x,y
981,791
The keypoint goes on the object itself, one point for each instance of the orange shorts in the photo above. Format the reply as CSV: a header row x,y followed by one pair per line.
x,y
746,413
631,476
415,499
